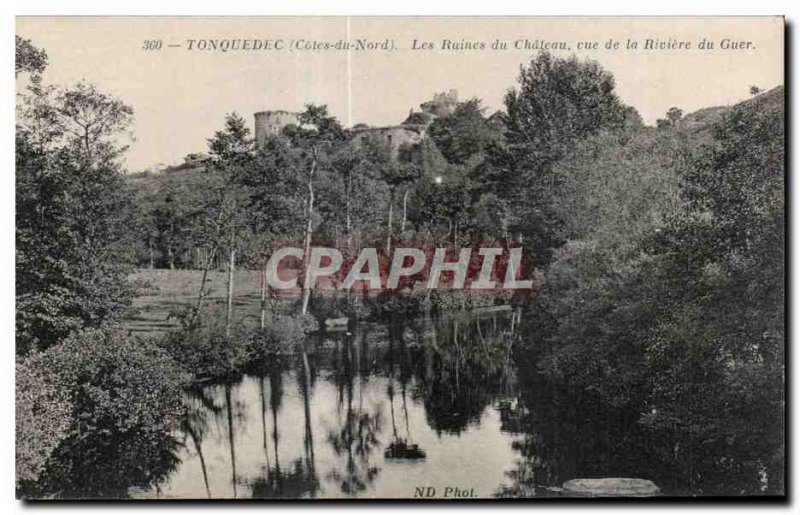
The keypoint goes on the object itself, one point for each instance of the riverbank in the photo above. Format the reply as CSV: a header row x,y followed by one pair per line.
x,y
162,292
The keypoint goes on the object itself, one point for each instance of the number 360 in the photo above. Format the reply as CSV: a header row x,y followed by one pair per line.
x,y
151,44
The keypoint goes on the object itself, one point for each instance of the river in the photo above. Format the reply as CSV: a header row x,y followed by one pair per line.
x,y
382,410
441,408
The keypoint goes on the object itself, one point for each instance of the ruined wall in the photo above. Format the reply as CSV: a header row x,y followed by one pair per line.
x,y
410,132
393,137
442,104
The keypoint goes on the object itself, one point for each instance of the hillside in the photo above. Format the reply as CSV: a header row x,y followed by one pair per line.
x,y
698,125
152,183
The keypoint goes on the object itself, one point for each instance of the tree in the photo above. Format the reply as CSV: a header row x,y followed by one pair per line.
x,y
558,103
395,172
275,204
426,163
89,116
95,409
42,419
348,199
232,153
721,328
72,211
28,58
315,141
666,304
445,203
463,134
674,115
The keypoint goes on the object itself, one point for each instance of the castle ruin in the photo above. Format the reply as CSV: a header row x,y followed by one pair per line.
x,y
409,132
271,123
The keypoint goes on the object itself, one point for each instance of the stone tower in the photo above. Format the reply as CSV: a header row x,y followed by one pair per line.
x,y
269,123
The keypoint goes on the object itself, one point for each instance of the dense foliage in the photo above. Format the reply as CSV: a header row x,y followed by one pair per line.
x,y
125,400
73,211
42,417
559,102
670,304
94,407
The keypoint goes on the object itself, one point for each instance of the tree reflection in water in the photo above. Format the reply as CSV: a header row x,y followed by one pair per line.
x,y
300,480
458,387
295,483
444,373
563,435
399,448
461,371
194,425
355,436
126,464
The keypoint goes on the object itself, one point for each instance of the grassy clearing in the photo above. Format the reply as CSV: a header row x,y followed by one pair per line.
x,y
161,292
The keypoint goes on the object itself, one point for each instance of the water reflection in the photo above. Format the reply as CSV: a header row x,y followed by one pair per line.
x,y
386,408
374,412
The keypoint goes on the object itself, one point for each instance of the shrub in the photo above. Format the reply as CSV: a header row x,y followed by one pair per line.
x,y
125,396
353,305
281,337
203,348
394,303
42,419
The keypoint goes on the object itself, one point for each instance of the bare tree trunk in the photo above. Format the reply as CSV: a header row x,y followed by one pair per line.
x,y
306,390
307,253
309,231
199,448
449,226
348,217
229,410
456,352
263,294
264,421
389,228
405,210
231,272
209,257
201,293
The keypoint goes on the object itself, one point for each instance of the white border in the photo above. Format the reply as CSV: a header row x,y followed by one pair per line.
x,y
359,7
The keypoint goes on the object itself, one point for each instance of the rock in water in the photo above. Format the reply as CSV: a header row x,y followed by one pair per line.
x,y
611,487
333,323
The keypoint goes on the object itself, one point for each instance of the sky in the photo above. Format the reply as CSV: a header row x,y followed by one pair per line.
x,y
181,96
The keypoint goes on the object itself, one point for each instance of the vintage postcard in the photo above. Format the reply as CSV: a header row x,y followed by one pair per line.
x,y
422,258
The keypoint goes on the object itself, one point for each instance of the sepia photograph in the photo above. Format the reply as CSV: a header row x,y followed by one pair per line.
x,y
400,257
